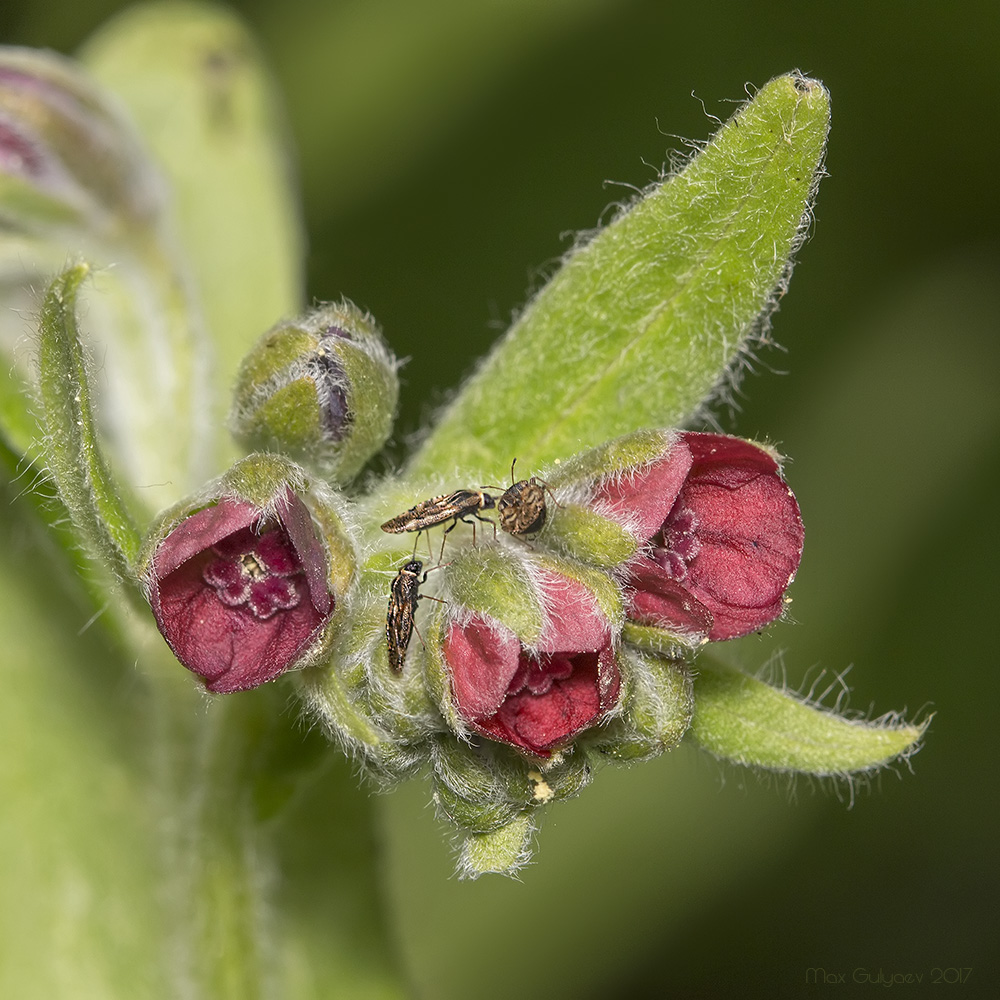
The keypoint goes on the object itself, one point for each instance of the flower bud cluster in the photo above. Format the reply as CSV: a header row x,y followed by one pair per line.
x,y
537,657
535,653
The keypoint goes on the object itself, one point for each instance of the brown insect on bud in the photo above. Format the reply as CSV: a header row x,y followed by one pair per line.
x,y
452,507
404,593
522,507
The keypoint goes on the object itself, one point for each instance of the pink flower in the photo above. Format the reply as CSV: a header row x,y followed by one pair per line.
x,y
539,697
240,594
722,536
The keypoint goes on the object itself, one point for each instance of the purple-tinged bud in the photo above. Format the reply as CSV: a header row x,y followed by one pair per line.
x,y
245,580
321,388
67,155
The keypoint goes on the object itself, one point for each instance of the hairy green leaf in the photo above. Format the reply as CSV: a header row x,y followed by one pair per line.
x,y
744,720
645,320
72,450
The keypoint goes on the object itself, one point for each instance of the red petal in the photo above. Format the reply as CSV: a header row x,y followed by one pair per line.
x,y
301,530
537,723
201,531
662,602
230,648
574,621
483,658
750,533
641,498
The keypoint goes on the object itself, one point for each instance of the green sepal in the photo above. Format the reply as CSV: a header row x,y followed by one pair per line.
x,y
477,775
329,701
744,720
657,706
500,852
611,458
472,815
358,712
494,581
71,448
580,533
471,770
662,642
565,774
643,322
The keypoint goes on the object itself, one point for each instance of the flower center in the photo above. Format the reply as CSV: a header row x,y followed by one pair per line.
x,y
255,571
252,567
676,543
538,675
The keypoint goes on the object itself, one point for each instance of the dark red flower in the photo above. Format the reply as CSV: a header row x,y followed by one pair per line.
x,y
539,697
240,594
722,536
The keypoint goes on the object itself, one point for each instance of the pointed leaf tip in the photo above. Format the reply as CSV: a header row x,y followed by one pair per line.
x,y
647,320
744,720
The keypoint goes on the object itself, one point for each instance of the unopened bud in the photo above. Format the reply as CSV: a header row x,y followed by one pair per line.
x,y
67,156
321,388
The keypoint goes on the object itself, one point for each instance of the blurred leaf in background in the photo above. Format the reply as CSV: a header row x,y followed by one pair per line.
x,y
444,148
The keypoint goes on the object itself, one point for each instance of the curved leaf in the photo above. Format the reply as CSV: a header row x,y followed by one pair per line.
x,y
643,321
744,720
71,446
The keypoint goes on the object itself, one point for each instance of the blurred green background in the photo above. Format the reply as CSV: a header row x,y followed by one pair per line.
x,y
447,151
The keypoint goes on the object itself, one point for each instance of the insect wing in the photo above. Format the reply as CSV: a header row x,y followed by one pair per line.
x,y
437,510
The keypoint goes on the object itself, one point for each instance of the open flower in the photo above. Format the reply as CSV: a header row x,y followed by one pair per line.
x,y
721,535
241,593
535,696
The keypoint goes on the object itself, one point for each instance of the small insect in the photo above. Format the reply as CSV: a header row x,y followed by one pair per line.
x,y
522,507
404,593
452,507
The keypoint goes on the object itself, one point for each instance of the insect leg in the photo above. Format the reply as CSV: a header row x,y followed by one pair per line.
x,y
488,521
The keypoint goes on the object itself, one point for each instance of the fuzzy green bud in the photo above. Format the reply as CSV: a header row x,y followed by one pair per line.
x,y
657,707
321,388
